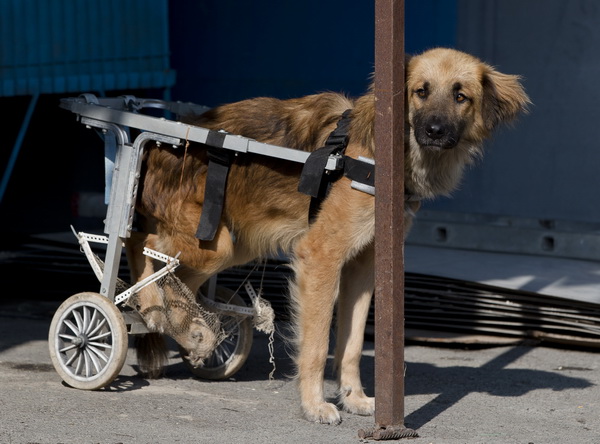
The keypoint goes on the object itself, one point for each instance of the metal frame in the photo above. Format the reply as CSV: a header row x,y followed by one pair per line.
x,y
117,116
114,117
123,112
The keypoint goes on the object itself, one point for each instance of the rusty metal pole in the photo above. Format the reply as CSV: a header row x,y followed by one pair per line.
x,y
389,226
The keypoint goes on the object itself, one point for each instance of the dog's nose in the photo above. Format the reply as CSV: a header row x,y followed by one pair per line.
x,y
435,130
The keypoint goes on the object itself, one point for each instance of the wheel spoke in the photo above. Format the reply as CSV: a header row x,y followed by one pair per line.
x,y
79,321
211,360
80,362
214,360
218,354
228,349
93,357
86,318
86,358
100,336
99,353
229,340
102,345
94,321
74,356
99,326
73,327
67,348
66,337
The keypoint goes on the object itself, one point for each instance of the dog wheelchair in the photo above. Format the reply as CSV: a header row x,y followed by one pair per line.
x,y
88,337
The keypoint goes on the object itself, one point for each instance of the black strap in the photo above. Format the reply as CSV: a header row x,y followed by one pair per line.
x,y
315,180
219,161
359,171
312,180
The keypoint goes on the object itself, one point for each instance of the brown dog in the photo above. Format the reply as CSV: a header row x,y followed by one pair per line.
x,y
454,103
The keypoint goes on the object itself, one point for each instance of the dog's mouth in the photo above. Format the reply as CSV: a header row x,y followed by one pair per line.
x,y
437,144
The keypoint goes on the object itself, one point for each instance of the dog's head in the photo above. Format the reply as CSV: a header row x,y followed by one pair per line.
x,y
455,99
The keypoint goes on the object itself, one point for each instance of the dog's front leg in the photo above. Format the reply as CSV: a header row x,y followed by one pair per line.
x,y
352,312
317,275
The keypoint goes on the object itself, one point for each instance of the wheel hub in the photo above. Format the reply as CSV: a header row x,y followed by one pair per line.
x,y
80,341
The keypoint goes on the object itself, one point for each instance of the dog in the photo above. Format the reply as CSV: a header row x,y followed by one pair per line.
x,y
454,103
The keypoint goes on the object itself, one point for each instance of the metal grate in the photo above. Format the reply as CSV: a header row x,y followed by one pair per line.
x,y
437,304
432,304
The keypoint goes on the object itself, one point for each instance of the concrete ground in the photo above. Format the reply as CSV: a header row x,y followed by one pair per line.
x,y
504,394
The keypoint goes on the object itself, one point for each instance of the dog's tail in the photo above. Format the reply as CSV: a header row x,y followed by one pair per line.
x,y
152,354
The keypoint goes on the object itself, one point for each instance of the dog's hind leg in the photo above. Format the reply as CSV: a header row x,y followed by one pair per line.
x,y
151,348
148,302
352,311
134,247
204,258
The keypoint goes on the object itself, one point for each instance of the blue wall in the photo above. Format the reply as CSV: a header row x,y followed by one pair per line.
x,y
429,23
228,50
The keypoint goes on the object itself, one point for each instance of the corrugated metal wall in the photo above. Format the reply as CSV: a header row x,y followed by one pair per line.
x,y
57,46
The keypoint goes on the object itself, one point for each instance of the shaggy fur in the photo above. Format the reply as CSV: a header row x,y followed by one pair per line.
x,y
454,103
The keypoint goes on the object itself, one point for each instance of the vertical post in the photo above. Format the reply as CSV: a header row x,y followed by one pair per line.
x,y
389,212
389,226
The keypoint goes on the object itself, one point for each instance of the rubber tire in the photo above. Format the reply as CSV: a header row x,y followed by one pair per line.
x,y
241,343
114,334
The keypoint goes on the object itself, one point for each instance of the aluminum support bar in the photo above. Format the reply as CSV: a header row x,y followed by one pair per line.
x,y
188,133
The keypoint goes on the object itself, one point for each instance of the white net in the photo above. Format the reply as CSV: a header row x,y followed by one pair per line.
x,y
180,308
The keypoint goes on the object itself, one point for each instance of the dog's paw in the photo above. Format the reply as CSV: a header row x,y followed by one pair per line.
x,y
324,412
155,322
359,405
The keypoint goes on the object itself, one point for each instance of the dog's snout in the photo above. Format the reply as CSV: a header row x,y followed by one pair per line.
x,y
435,130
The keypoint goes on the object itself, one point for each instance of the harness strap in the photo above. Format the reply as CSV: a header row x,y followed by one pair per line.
x,y
219,161
361,171
315,180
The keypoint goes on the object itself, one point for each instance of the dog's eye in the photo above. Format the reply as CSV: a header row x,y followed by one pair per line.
x,y
421,92
461,98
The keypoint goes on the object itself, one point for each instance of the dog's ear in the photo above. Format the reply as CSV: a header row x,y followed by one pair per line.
x,y
503,98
